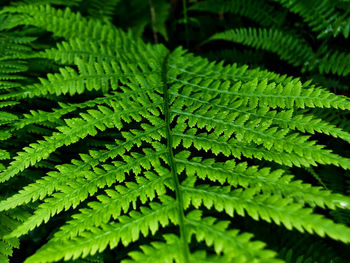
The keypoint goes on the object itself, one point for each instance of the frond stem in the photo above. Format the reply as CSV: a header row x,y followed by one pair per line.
x,y
172,162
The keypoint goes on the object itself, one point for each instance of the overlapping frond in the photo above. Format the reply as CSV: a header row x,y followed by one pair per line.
x,y
100,9
287,47
261,12
8,222
324,17
296,51
126,230
166,252
233,246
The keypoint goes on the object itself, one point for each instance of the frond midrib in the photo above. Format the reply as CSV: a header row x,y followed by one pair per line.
x,y
172,162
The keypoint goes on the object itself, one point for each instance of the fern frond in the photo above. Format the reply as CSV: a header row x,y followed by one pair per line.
x,y
47,2
233,245
285,119
266,207
268,181
116,201
68,172
8,222
322,16
73,194
291,247
166,252
100,9
7,245
65,23
175,125
333,62
36,117
68,52
287,46
75,130
261,12
128,229
256,90
91,77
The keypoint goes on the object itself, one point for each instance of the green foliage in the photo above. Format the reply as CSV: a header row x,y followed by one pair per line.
x,y
115,149
259,11
289,48
323,16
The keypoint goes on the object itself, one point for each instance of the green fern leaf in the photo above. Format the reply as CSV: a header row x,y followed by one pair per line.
x,y
177,127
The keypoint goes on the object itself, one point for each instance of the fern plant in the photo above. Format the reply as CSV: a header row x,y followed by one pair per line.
x,y
118,150
303,37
